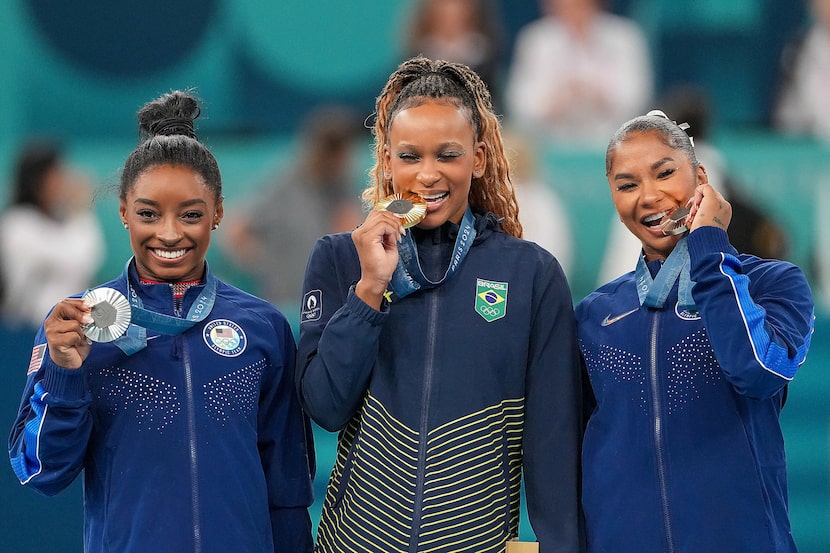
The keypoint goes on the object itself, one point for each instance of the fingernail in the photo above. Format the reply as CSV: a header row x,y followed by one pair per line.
x,y
87,319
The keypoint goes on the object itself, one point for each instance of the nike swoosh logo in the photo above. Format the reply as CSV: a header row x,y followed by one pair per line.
x,y
609,320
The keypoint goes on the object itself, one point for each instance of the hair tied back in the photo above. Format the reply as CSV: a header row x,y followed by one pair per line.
x,y
171,126
682,126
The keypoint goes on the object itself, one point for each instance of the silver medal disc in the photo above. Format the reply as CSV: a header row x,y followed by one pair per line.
x,y
110,313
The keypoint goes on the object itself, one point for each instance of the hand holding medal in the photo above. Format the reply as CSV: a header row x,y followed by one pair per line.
x,y
377,242
101,315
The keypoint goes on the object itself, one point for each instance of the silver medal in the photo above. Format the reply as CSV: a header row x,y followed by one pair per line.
x,y
677,222
110,313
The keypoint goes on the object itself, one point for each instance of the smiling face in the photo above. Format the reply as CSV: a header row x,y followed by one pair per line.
x,y
649,179
433,152
170,213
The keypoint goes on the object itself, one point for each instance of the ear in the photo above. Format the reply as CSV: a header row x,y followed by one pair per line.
x,y
702,176
122,210
220,212
480,162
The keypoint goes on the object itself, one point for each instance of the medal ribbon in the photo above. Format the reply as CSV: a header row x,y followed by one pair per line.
x,y
653,292
142,319
409,276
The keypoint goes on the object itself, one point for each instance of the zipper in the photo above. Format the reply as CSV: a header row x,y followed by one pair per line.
x,y
659,446
191,440
424,427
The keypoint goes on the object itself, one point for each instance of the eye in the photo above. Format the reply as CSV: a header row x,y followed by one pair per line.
x,y
450,155
666,173
626,186
146,214
192,216
408,157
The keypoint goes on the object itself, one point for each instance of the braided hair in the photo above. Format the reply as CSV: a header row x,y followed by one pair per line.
x,y
167,135
419,80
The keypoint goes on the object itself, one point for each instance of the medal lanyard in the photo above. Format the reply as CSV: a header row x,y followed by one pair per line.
x,y
142,319
409,276
653,292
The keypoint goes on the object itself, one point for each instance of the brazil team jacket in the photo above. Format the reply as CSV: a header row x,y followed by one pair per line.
x,y
196,443
445,397
684,452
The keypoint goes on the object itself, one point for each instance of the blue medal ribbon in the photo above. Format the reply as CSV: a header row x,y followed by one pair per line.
x,y
409,276
143,319
653,292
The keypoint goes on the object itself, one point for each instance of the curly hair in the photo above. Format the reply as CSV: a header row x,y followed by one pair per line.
x,y
419,80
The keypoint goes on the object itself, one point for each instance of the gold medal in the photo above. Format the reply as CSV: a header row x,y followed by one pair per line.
x,y
111,314
410,208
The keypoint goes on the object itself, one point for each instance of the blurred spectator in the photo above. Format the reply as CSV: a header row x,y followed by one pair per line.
x,y
751,231
542,213
577,72
51,243
464,31
804,86
315,194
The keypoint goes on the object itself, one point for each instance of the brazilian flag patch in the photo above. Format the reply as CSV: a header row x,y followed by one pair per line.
x,y
491,299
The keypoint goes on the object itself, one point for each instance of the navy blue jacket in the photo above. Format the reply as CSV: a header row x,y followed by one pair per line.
x,y
684,451
188,445
444,400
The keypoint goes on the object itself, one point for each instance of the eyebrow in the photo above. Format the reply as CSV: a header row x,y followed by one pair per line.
x,y
186,203
451,144
657,164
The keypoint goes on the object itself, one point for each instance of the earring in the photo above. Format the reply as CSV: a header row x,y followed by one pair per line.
x,y
126,226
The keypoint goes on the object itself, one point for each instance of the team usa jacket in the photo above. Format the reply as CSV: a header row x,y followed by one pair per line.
x,y
195,443
445,398
683,451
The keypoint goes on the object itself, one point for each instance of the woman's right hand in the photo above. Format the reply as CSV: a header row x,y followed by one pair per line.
x,y
376,241
64,327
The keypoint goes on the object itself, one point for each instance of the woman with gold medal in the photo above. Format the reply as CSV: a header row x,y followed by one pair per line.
x,y
439,344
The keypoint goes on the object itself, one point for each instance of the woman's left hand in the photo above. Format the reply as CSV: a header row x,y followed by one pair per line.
x,y
709,209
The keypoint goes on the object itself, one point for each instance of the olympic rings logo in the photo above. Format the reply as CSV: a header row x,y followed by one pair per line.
x,y
489,311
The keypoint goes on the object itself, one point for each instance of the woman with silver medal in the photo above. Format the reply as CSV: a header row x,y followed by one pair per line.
x,y
170,390
689,357
439,344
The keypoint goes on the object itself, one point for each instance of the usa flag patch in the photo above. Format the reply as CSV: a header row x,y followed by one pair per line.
x,y
36,361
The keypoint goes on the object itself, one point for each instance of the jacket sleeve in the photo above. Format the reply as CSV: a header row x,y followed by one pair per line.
x,y
48,440
338,341
552,437
759,315
286,448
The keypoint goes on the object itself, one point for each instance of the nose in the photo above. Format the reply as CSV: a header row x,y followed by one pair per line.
x,y
169,231
651,192
428,173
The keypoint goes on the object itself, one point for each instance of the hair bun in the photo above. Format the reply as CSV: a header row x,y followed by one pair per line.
x,y
172,114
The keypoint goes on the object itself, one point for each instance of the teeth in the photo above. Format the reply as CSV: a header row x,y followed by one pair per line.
x,y
169,254
434,197
655,217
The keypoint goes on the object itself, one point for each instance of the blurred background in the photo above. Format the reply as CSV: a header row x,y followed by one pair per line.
x,y
286,86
